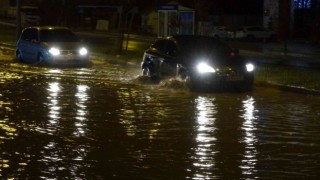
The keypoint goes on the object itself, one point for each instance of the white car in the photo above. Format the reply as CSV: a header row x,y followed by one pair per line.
x,y
221,32
254,32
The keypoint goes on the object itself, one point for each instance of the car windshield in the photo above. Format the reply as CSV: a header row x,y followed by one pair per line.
x,y
203,46
57,35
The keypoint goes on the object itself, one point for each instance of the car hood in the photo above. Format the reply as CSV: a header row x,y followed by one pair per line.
x,y
64,45
228,59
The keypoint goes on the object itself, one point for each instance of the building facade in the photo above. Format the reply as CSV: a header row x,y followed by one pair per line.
x,y
293,18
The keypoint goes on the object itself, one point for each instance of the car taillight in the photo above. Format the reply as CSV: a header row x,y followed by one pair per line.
x,y
232,54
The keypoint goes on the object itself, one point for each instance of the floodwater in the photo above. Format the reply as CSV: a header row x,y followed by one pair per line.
x,y
106,123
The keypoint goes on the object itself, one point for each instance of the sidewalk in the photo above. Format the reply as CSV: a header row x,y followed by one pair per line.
x,y
295,53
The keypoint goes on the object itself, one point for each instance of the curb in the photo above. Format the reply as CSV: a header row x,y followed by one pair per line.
x,y
286,88
283,60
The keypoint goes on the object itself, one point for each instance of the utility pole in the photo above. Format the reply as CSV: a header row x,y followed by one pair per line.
x,y
18,19
133,11
285,19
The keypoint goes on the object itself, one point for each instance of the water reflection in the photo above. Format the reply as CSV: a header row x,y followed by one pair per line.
x,y
210,145
82,98
55,71
52,155
134,108
205,150
128,98
49,154
250,156
54,109
6,132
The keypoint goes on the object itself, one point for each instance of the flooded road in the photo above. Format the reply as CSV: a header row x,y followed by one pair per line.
x,y
103,123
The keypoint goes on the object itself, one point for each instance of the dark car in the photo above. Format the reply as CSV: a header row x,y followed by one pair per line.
x,y
206,62
51,46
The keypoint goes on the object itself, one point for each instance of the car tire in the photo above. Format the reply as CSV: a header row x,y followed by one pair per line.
x,y
182,74
19,56
146,71
40,60
194,84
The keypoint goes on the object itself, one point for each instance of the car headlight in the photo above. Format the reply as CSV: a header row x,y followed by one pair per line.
x,y
250,67
205,68
54,51
83,51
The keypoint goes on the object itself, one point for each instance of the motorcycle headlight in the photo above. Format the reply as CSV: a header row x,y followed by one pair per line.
x,y
83,51
250,67
205,68
54,51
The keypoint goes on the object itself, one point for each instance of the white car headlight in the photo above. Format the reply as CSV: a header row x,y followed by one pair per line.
x,y
83,51
250,67
54,51
205,68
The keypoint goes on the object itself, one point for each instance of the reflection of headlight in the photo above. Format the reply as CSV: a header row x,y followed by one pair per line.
x,y
54,51
83,51
205,68
250,67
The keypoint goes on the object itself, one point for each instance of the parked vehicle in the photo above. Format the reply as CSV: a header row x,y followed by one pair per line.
x,y
254,32
221,32
206,62
51,46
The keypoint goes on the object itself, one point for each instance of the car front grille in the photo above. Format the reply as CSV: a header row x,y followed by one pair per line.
x,y
229,71
69,52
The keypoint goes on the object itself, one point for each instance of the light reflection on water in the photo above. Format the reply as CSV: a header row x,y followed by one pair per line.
x,y
137,106
54,106
52,155
128,112
203,159
206,150
249,115
81,119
